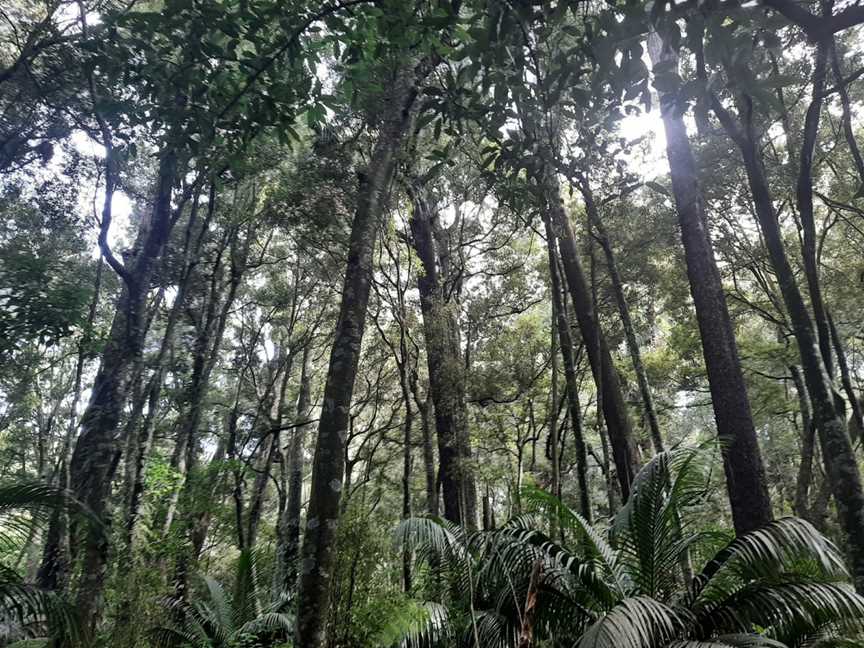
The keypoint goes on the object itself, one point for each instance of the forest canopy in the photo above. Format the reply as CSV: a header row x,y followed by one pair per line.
x,y
431,323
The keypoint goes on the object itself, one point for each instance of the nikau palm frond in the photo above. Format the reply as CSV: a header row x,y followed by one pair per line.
x,y
26,610
781,586
634,623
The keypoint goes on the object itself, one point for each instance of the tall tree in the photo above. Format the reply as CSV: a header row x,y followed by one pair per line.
x,y
394,124
745,474
603,368
841,466
438,287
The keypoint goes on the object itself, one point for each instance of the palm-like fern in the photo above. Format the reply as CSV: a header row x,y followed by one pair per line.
x,y
220,619
26,610
782,585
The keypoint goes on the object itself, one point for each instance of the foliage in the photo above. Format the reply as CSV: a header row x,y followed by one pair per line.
x,y
226,619
277,114
43,277
782,585
26,610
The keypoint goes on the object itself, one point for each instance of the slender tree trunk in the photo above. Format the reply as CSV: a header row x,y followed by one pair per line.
x,y
606,377
210,330
554,398
406,371
841,467
328,462
626,320
848,131
571,385
423,407
139,438
139,443
520,470
288,547
742,460
198,521
269,452
488,512
606,464
53,572
808,443
846,376
201,519
407,386
804,199
406,479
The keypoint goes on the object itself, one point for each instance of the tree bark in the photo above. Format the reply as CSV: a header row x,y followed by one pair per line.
x,y
553,446
288,525
808,442
139,438
423,407
406,482
846,376
603,369
626,320
94,460
269,450
446,366
571,386
488,511
328,462
53,572
407,457
841,467
848,131
742,460
804,199
210,329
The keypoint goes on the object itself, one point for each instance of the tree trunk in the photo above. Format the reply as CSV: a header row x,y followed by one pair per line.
x,y
288,525
269,451
571,385
428,456
846,377
848,130
841,467
552,449
94,460
210,329
406,482
804,199
53,572
742,460
603,369
139,439
626,320
808,442
488,512
323,514
446,367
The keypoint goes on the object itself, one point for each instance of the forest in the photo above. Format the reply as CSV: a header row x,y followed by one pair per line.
x,y
431,323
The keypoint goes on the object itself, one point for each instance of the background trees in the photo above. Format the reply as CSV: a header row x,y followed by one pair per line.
x,y
277,276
